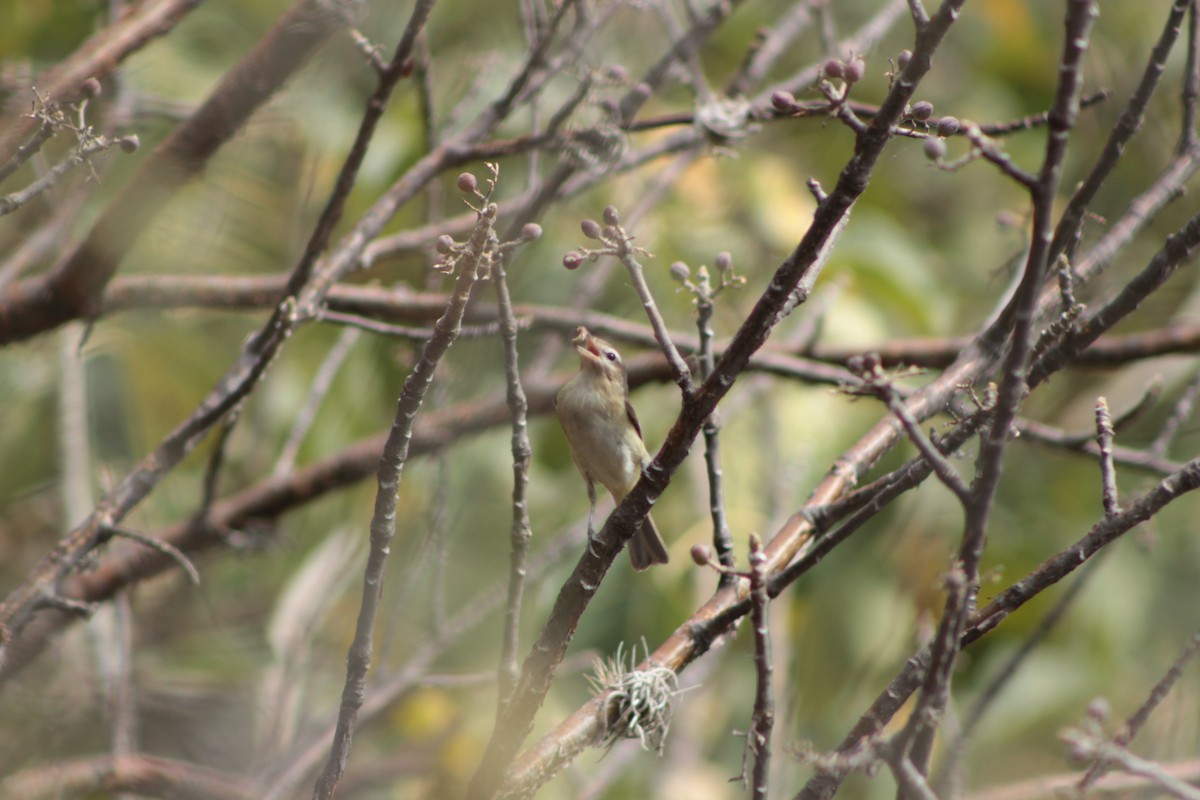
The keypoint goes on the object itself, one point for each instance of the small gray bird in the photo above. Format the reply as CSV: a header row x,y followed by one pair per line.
x,y
605,438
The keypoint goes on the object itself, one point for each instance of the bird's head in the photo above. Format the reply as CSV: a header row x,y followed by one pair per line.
x,y
597,356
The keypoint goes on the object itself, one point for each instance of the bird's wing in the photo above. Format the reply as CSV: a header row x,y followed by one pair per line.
x,y
633,420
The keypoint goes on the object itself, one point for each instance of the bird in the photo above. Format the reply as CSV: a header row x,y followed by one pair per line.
x,y
604,436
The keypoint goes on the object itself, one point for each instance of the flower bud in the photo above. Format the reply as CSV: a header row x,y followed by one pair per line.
x,y
701,554
611,217
129,144
531,230
922,110
723,261
904,58
783,101
856,68
680,272
640,93
573,260
1099,709
91,88
444,244
834,68
467,183
935,148
590,228
948,126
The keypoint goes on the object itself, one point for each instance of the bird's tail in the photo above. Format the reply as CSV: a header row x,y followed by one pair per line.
x,y
646,548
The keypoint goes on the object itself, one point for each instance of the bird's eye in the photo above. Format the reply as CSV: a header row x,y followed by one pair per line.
x,y
611,355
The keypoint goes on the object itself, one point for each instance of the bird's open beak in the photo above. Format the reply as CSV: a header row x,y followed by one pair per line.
x,y
585,344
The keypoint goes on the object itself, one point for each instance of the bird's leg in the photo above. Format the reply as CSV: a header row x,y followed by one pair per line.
x,y
591,510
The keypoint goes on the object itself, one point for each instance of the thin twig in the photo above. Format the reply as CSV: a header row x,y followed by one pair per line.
x,y
862,40
1053,787
1160,691
1032,121
1108,471
911,781
721,535
1138,718
383,521
210,485
1130,121
166,548
28,150
956,750
407,332
256,354
109,629
1180,414
1125,456
1087,746
520,532
139,774
73,287
322,382
824,784
11,202
1014,384
280,779
758,738
777,41
1081,15
942,467
620,244
1190,91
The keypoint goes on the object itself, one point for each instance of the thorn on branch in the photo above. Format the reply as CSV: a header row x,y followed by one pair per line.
x,y
814,187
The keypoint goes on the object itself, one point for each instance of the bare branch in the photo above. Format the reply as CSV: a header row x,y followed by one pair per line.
x,y
520,532
383,522
1108,471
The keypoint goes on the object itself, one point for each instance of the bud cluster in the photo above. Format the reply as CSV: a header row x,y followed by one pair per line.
x,y
451,252
611,236
702,288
